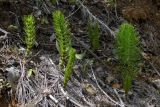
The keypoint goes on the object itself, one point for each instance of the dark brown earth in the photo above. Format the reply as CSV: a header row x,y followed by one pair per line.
x,y
144,14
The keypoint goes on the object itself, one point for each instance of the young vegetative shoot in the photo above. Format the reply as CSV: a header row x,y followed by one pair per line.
x,y
69,67
30,32
94,34
128,52
64,46
63,36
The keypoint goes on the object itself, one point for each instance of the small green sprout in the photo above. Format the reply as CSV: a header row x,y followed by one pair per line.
x,y
94,34
128,52
30,32
63,44
31,72
63,36
69,67
53,1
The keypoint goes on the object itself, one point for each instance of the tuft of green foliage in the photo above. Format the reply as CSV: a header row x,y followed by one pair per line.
x,y
128,52
63,36
110,3
54,1
29,28
68,70
94,34
63,43
72,1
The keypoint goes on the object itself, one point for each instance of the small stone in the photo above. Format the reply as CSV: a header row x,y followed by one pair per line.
x,y
52,37
157,83
12,74
89,89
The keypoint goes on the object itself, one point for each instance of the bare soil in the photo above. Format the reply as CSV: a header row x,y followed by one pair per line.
x,y
143,14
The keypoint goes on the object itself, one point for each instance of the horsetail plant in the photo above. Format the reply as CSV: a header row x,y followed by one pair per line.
x,y
70,63
128,53
53,1
30,32
94,34
63,36
63,43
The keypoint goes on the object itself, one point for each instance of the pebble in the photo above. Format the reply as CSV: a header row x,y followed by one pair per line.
x,y
157,83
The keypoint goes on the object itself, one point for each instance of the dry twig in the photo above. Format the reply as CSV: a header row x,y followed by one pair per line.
x,y
5,34
95,18
112,101
154,69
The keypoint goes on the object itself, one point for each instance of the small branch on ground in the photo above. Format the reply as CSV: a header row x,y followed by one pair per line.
x,y
155,69
96,19
5,34
112,101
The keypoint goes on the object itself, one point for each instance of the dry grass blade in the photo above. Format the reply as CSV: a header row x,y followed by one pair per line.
x,y
41,90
